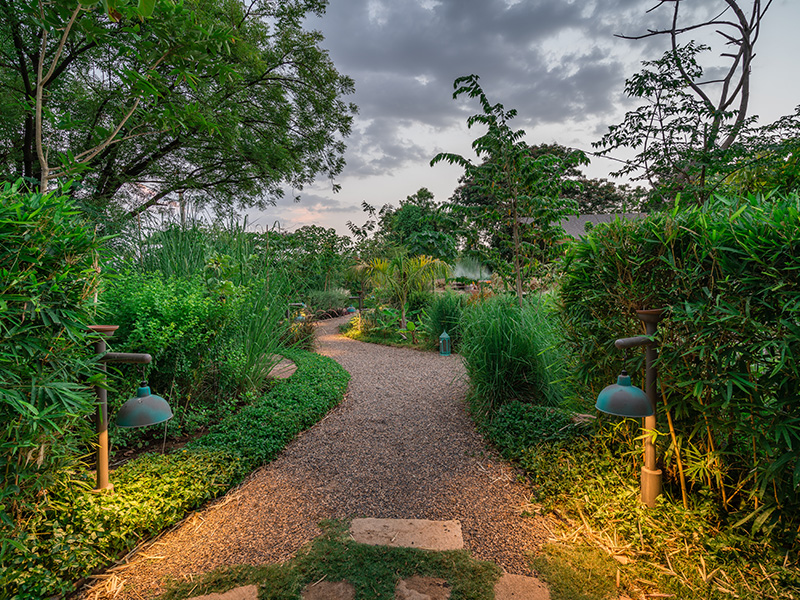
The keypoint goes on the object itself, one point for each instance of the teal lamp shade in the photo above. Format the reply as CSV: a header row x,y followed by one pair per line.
x,y
444,344
143,409
624,400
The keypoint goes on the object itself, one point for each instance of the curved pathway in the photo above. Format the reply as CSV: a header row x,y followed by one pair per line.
x,y
399,446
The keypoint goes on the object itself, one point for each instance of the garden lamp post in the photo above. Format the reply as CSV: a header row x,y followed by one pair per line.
x,y
144,409
623,399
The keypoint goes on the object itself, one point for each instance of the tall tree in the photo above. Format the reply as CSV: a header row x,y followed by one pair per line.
x,y
686,132
225,100
514,189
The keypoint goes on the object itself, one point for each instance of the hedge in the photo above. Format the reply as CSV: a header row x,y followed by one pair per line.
x,y
728,275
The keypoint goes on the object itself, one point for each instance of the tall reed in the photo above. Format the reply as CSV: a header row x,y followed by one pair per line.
x,y
513,352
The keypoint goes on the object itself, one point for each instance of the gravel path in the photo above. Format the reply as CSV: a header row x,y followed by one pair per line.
x,y
400,446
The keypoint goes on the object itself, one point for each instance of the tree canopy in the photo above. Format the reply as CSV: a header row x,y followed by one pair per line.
x,y
227,101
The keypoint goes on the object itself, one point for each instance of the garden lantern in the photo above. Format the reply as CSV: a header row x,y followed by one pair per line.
x,y
623,399
102,483
444,344
144,409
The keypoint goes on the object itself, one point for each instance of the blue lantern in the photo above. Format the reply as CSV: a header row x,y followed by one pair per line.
x,y
444,344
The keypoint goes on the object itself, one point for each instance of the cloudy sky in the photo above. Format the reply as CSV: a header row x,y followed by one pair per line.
x,y
556,61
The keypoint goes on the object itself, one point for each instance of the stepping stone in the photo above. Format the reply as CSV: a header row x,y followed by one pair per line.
x,y
519,587
422,588
247,592
327,590
408,533
284,369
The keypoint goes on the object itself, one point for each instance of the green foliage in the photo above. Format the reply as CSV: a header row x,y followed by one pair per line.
x,y
258,432
142,96
445,314
373,570
516,426
727,272
512,185
174,319
208,305
401,276
512,352
78,531
325,300
47,280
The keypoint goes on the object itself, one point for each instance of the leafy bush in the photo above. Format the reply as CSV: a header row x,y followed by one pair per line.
x,y
324,300
444,314
729,274
81,531
47,268
512,352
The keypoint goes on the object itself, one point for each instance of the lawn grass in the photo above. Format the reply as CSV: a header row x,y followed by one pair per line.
x,y
372,570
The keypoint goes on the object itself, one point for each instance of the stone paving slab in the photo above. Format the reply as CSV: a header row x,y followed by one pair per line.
x,y
328,590
422,588
247,592
408,533
519,587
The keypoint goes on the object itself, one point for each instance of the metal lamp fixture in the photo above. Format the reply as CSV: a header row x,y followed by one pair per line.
x,y
144,409
624,399
134,417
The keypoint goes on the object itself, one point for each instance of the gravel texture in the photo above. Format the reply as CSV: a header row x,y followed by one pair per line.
x,y
400,445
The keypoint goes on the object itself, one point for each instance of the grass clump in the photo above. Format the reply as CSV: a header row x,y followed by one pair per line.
x,y
374,571
513,353
445,313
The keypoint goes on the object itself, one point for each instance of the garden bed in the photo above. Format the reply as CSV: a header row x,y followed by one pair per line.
x,y
82,533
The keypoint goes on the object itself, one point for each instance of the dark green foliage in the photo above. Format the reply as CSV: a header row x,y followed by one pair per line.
x,y
512,352
258,432
727,272
47,280
445,314
516,426
79,531
174,319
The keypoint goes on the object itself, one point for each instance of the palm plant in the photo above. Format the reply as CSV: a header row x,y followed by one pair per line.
x,y
401,274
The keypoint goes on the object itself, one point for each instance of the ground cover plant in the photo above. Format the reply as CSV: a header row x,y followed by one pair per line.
x,y
79,532
373,570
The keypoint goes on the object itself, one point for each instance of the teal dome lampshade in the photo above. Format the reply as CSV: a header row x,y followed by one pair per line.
x,y
144,409
624,400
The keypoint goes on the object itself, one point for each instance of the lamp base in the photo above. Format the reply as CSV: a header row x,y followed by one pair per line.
x,y
651,486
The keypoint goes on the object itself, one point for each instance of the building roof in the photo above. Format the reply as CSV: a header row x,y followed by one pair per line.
x,y
575,226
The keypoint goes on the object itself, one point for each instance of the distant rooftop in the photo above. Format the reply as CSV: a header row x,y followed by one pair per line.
x,y
576,226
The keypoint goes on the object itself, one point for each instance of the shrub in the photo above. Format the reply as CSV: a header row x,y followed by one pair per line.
x,y
729,274
445,314
48,256
325,300
512,352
